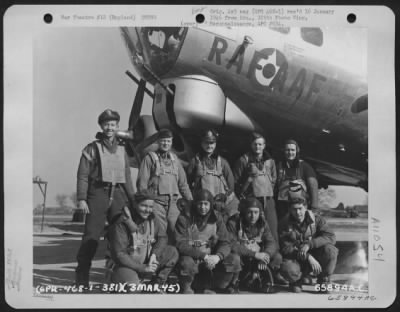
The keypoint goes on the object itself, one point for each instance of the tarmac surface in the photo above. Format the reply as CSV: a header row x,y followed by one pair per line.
x,y
55,248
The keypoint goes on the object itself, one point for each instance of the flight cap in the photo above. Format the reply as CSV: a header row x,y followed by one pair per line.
x,y
250,202
107,115
209,136
144,195
165,133
205,195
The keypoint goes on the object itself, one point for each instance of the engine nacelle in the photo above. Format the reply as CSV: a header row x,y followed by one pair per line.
x,y
198,103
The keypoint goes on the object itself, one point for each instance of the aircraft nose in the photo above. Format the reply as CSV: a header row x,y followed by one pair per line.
x,y
132,40
155,47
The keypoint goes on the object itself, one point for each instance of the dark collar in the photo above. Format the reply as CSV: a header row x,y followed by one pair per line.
x,y
111,146
211,217
265,156
164,155
259,224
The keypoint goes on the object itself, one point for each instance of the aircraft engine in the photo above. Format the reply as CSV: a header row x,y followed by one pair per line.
x,y
197,102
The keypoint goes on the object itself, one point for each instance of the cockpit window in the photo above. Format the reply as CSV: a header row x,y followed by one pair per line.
x,y
312,35
283,30
162,45
156,38
165,38
360,105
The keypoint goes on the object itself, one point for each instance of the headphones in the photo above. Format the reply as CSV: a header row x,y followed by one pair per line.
x,y
291,141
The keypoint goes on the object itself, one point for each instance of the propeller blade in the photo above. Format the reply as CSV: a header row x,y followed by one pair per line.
x,y
135,162
137,104
147,141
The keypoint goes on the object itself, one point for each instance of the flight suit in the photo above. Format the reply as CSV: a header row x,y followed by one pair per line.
x,y
132,243
248,240
104,181
163,175
313,231
195,243
256,178
296,176
214,174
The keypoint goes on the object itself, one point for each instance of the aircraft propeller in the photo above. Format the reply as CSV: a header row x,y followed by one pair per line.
x,y
137,104
130,136
147,141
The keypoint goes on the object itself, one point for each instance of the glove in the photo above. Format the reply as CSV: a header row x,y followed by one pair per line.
x,y
84,206
212,261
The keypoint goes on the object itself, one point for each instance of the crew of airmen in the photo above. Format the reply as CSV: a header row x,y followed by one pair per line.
x,y
239,230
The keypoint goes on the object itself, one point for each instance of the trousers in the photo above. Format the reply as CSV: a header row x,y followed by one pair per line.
x,y
326,255
282,208
100,211
167,259
251,264
167,211
202,278
270,215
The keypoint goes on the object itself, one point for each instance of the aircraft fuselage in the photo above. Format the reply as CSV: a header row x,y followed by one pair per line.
x,y
304,83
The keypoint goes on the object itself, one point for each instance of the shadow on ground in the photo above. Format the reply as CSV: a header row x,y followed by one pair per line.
x,y
65,277
65,226
61,249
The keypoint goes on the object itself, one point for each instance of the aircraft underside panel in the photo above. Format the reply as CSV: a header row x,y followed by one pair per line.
x,y
331,174
198,103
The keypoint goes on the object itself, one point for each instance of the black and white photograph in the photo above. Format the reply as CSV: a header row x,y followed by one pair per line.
x,y
219,159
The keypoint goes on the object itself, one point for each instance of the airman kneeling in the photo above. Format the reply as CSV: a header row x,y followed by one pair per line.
x,y
206,264
254,242
138,245
307,245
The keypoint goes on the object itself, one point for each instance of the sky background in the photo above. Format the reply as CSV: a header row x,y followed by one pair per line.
x,y
78,73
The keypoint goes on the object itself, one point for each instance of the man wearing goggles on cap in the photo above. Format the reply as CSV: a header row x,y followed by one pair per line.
x,y
210,171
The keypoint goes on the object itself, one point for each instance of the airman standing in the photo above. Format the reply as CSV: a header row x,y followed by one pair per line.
x,y
255,176
210,171
104,187
294,174
162,174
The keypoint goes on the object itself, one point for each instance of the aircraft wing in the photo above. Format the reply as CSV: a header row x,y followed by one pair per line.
x,y
332,174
